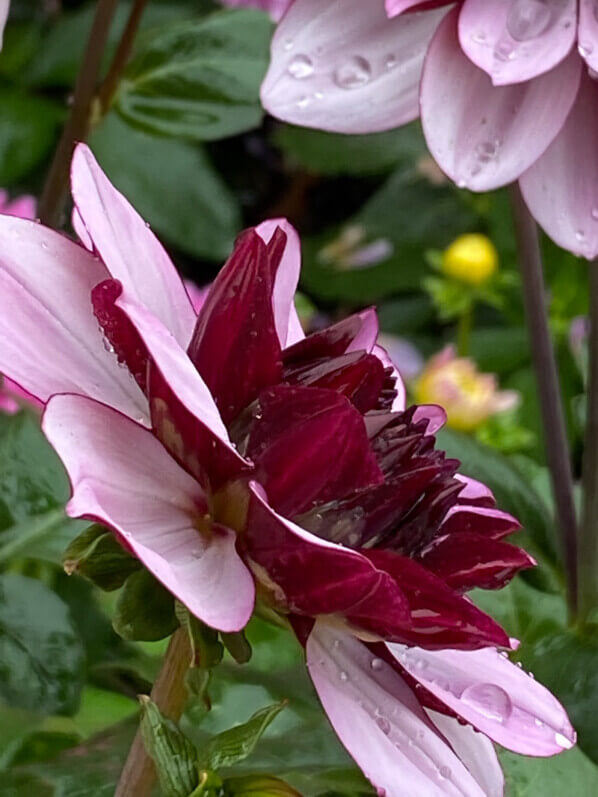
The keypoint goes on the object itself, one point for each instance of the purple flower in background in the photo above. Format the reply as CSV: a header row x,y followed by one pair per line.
x,y
506,90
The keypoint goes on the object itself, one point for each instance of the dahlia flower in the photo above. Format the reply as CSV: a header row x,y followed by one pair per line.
x,y
506,90
233,456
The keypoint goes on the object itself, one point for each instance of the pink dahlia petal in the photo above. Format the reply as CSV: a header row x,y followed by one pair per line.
x,y
396,7
235,345
343,66
514,41
24,207
439,617
380,722
49,338
494,695
122,476
184,414
588,33
286,319
433,414
486,136
475,750
196,295
4,9
81,230
561,188
309,575
128,247
475,492
309,445
399,402
358,332
465,560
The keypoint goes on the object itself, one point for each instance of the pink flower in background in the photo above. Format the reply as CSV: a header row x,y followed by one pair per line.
x,y
4,9
226,449
506,90
275,8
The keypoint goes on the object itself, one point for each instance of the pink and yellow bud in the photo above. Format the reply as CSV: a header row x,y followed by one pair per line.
x,y
471,259
468,396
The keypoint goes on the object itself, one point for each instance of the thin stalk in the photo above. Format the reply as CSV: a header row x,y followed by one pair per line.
x,y
551,407
464,327
122,55
169,694
588,531
76,128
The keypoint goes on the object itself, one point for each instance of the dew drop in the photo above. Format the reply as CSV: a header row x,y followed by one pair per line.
x,y
376,664
529,18
585,49
383,724
490,700
288,44
353,73
562,741
594,213
301,67
303,102
343,676
504,51
580,236
444,772
390,61
479,37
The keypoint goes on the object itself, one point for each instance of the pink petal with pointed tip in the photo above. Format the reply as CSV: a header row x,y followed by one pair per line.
x,y
474,491
561,188
81,230
433,414
286,319
398,405
494,695
513,41
475,750
49,338
122,476
130,250
379,720
486,136
396,7
344,66
588,32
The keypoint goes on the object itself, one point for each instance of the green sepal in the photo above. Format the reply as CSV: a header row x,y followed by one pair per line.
x,y
97,555
145,609
206,650
172,753
259,786
197,681
238,646
235,744
210,785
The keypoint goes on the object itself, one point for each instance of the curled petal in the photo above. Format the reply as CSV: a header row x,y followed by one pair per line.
x,y
492,694
491,522
380,722
514,41
486,136
49,338
588,33
332,60
357,332
396,7
399,402
131,252
561,188
122,476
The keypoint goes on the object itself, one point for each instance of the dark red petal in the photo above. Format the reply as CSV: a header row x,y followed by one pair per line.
x,y
306,577
120,333
235,345
310,446
440,618
358,376
356,333
490,522
465,560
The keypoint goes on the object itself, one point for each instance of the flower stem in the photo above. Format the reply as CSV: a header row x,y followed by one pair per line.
x,y
464,332
122,55
76,128
170,695
588,531
551,407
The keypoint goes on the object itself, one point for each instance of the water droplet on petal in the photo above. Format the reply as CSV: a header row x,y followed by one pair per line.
x,y
490,700
594,213
444,772
528,19
301,67
377,664
563,741
353,73
343,676
383,724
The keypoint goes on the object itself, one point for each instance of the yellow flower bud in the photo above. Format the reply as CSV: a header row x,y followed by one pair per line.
x,y
468,397
471,258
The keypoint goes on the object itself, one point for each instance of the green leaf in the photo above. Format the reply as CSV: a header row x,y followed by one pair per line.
x,y
145,609
238,646
569,773
199,80
513,494
97,555
173,185
334,154
236,744
206,650
259,786
27,134
41,654
173,754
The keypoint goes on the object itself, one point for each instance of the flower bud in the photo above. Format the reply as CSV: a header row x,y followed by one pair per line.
x,y
468,396
471,259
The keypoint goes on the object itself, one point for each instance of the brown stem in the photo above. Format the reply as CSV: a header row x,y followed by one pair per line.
x,y
170,695
551,407
76,128
122,55
588,532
